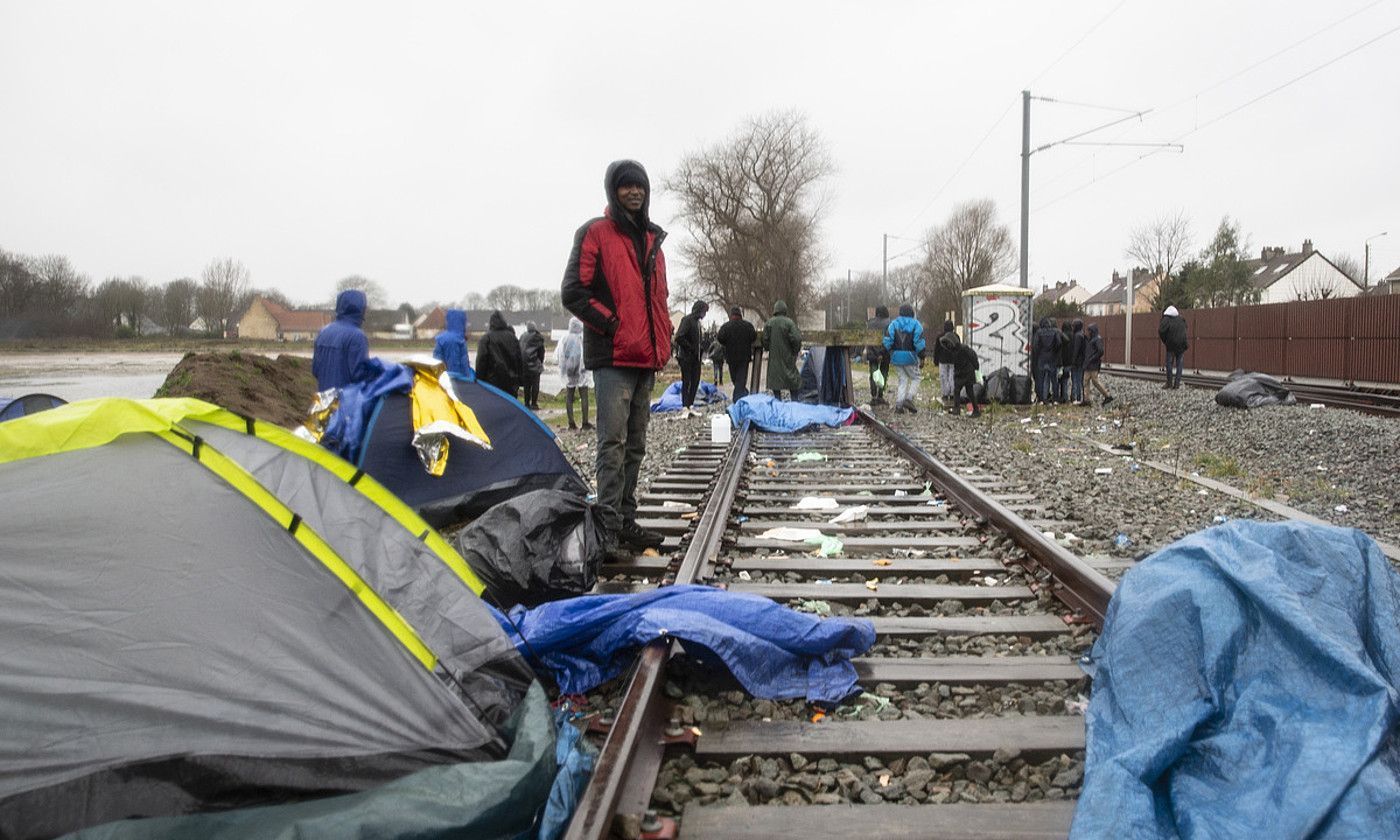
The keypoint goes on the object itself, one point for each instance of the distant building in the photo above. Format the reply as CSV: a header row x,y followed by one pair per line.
x,y
1391,283
1304,275
271,321
1109,300
434,321
1070,292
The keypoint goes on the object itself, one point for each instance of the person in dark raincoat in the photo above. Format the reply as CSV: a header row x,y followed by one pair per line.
x,y
1045,353
782,342
341,349
1172,332
451,344
687,345
532,356
737,336
498,359
877,356
1093,361
944,359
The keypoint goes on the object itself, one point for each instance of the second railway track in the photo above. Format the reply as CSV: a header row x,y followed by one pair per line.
x,y
966,725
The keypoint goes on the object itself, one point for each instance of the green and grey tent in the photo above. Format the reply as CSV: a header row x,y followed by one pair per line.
x,y
200,612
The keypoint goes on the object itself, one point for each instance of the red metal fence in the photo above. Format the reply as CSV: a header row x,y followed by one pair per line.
x,y
1349,339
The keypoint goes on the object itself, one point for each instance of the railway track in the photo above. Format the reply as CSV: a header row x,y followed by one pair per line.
x,y
964,727
1370,401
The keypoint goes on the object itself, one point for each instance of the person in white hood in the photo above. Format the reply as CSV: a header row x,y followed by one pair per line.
x,y
1172,332
577,378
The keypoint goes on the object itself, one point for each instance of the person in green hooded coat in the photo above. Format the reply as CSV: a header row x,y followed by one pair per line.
x,y
782,342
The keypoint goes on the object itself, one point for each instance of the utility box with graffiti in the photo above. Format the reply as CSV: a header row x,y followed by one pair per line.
x,y
998,320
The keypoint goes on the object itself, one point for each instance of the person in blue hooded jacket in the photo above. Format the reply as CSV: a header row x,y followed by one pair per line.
x,y
904,339
341,350
451,344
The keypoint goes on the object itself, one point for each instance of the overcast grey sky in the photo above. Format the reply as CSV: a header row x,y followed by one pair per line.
x,y
446,147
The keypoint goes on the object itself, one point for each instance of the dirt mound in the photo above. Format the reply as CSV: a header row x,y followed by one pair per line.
x,y
276,390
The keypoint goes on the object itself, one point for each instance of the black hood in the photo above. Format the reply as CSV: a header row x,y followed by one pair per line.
x,y
1047,322
1093,330
627,172
700,307
498,321
949,326
882,311
906,310
1077,326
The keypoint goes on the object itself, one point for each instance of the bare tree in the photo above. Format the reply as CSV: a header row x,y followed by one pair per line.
x,y
906,284
507,298
375,296
19,288
133,298
1161,244
1320,287
177,305
62,289
473,300
223,286
752,206
970,249
544,300
1348,265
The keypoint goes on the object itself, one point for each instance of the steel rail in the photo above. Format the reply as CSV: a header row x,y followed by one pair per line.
x,y
643,702
1080,585
1383,404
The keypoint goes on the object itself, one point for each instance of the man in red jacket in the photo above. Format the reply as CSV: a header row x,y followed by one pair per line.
x,y
616,284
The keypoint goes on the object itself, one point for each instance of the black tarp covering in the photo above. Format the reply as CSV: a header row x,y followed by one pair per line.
x,y
1251,390
523,457
537,547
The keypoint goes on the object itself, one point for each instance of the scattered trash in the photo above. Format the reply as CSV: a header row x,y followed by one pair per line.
x,y
866,698
1034,431
818,715
1078,706
741,519
1104,471
770,463
1220,519
1340,508
826,545
900,493
1049,535
935,503
816,503
744,575
679,449
823,581
1122,541
882,561
1317,405
1067,538
1203,492
1025,420
928,489
873,584
852,514
821,608
808,456
692,516
788,534
720,429
990,581
866,493
1134,467
674,505
1321,468
651,552
884,779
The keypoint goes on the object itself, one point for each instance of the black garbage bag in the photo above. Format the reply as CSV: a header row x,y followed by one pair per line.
x,y
1021,389
999,387
1251,390
539,546
979,393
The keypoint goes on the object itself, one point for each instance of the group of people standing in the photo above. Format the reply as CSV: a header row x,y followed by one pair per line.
x,y
1064,358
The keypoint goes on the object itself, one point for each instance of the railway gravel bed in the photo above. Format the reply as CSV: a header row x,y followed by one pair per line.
x,y
1117,510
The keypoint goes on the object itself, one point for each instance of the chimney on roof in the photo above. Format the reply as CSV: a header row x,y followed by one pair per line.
x,y
1271,253
1307,247
1060,284
1116,277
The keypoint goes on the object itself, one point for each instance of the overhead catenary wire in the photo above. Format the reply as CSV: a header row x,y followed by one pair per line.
x,y
1195,97
1222,116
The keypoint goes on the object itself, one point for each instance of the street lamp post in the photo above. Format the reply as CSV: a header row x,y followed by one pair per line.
x,y
1366,272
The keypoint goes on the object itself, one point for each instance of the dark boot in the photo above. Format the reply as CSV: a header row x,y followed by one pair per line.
x,y
1166,386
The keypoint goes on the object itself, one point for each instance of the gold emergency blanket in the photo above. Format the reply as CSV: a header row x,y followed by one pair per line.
x,y
438,416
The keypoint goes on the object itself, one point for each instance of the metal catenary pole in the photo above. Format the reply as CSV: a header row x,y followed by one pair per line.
x,y
1025,185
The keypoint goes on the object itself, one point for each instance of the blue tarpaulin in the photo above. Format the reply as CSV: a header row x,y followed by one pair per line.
x,y
671,397
774,415
776,653
345,432
1245,685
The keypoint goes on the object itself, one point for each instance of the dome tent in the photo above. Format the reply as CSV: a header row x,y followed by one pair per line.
x,y
194,623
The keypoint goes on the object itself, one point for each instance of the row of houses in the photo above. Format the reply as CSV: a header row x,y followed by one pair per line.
x,y
1280,276
271,321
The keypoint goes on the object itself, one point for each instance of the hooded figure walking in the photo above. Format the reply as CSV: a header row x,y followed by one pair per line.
x,y
1172,332
687,346
615,282
498,360
782,342
904,340
532,356
943,357
451,344
577,378
1093,361
1045,351
341,349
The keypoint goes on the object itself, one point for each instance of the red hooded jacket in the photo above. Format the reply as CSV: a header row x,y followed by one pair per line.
x,y
616,283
